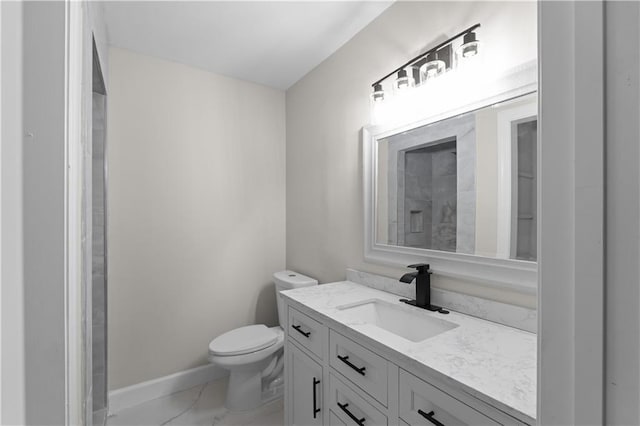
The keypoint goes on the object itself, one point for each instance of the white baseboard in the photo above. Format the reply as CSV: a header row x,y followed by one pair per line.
x,y
129,396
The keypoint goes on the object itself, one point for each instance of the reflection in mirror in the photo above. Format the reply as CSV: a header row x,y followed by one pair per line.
x,y
466,184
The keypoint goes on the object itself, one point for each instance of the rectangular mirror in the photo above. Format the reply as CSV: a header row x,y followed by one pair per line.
x,y
466,184
450,179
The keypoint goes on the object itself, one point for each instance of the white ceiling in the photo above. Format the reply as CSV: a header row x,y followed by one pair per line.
x,y
271,43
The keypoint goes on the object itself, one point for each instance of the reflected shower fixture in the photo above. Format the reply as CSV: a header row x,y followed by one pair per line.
x,y
432,63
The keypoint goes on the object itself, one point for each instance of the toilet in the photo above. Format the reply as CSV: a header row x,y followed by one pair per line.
x,y
254,354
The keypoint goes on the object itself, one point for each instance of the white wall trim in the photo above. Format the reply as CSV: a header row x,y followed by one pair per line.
x,y
129,396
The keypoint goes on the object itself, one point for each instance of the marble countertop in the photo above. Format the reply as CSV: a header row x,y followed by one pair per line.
x,y
490,361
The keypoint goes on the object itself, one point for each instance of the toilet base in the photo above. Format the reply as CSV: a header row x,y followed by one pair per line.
x,y
246,391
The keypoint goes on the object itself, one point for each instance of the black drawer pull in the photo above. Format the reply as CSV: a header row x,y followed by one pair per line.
x,y
305,334
429,416
316,410
345,359
350,414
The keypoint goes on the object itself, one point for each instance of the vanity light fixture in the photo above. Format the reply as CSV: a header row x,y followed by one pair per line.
x,y
431,63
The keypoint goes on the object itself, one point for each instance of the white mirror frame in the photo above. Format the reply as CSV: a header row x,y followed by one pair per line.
x,y
515,275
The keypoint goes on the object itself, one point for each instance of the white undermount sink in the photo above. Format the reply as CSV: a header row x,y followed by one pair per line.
x,y
405,322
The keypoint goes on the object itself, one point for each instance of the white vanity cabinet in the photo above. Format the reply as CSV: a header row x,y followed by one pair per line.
x,y
333,380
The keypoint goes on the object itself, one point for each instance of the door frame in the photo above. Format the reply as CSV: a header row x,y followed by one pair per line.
x,y
571,213
505,175
76,121
571,334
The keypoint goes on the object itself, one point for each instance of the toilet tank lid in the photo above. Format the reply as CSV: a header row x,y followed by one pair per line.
x,y
292,279
250,338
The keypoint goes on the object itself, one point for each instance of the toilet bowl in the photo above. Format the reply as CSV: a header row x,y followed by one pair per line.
x,y
248,352
253,354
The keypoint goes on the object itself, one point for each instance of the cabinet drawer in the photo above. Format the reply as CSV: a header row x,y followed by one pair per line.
x,y
351,408
364,368
335,420
306,331
420,400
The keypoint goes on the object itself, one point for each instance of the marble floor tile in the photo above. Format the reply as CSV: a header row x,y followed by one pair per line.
x,y
199,406
158,411
271,414
276,418
206,408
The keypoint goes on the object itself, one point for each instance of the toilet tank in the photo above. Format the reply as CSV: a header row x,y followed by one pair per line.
x,y
287,280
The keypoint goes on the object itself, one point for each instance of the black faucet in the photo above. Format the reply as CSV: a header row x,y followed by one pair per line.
x,y
423,287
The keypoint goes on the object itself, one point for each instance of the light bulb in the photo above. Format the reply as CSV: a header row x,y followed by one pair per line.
x,y
433,67
403,81
378,93
470,46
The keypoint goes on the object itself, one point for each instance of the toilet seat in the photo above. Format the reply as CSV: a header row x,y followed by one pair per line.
x,y
243,340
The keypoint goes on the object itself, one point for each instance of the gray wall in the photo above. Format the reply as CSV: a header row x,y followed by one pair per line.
x,y
99,272
94,293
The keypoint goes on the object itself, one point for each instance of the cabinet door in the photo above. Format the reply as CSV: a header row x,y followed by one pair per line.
x,y
305,389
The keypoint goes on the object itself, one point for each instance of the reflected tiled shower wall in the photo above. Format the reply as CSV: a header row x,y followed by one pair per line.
x,y
431,174
99,281
430,197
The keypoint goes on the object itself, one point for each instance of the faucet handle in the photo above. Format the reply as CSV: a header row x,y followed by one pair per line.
x,y
421,267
